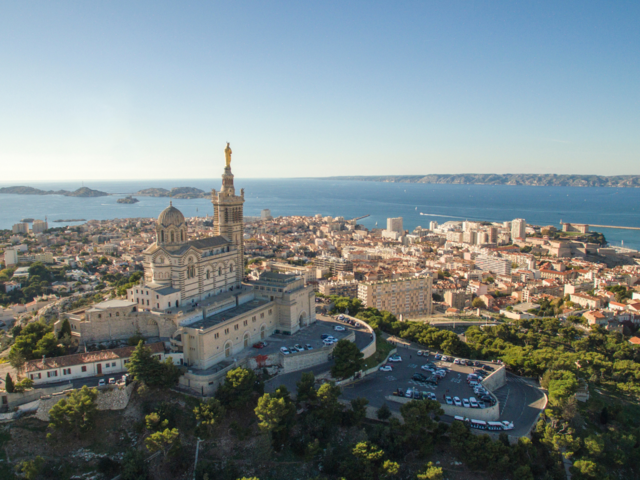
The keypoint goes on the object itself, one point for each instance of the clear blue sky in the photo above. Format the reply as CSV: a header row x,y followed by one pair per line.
x,y
121,89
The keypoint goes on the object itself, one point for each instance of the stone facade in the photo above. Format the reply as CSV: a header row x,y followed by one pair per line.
x,y
192,295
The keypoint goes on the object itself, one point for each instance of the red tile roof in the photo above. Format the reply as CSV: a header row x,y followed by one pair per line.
x,y
88,357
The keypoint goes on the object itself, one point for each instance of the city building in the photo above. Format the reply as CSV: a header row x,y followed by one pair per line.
x,y
458,299
518,229
334,264
497,265
394,225
265,214
10,257
409,297
39,226
22,227
342,289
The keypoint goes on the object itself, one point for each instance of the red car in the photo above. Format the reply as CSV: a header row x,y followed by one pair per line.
x,y
260,345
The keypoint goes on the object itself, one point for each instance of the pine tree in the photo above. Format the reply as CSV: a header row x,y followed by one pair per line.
x,y
8,384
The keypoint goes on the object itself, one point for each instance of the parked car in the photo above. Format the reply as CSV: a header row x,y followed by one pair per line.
x,y
341,317
477,364
473,402
418,377
433,380
386,368
457,402
260,345
438,356
339,328
465,403
112,381
481,404
445,358
325,336
101,382
298,347
285,350
309,346
420,353
430,396
457,361
449,400
428,368
395,358
409,393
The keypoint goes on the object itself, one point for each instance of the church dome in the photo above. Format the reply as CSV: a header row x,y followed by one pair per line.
x,y
171,216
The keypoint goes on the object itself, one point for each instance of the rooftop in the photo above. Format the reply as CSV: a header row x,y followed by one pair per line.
x,y
225,315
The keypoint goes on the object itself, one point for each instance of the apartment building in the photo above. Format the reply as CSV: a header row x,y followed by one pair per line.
x,y
409,297
334,264
497,265
457,299
518,228
342,289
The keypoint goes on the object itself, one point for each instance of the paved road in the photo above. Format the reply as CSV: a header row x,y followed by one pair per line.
x,y
520,402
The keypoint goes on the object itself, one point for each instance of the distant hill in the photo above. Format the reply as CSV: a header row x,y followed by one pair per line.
x,y
178,192
547,180
81,192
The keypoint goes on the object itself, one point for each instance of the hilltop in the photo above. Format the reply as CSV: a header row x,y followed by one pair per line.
x,y
546,180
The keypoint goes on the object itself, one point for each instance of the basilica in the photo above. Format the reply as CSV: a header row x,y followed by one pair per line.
x,y
192,295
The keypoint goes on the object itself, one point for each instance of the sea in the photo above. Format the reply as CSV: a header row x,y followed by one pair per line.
x,y
417,204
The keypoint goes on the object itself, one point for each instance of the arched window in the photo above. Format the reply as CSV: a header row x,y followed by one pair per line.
x,y
219,271
208,274
172,239
181,236
231,268
162,236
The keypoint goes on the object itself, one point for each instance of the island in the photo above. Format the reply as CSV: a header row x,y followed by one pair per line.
x,y
70,220
83,192
177,192
129,199
539,180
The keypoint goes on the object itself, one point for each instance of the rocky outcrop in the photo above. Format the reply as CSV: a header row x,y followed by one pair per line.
x,y
110,397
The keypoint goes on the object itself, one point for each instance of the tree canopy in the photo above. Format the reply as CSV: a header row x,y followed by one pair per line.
x,y
348,359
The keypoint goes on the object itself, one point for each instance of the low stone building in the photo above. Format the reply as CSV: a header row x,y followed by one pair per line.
x,y
82,365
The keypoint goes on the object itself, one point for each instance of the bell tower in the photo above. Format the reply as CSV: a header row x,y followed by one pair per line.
x,y
228,216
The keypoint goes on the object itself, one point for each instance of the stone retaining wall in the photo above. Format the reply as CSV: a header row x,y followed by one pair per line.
x,y
16,399
488,414
496,380
109,398
370,349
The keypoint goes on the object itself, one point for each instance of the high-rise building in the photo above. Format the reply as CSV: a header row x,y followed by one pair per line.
x,y
518,228
488,263
265,214
409,297
39,226
493,234
433,225
469,237
394,224
22,227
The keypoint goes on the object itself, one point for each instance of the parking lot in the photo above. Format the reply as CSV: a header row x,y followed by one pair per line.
x,y
379,384
520,401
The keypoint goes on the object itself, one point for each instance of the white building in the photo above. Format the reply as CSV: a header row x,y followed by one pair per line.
x,y
20,228
488,263
518,228
10,257
39,226
394,225
265,214
82,365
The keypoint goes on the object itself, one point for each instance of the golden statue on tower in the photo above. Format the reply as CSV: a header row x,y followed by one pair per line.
x,y
227,154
